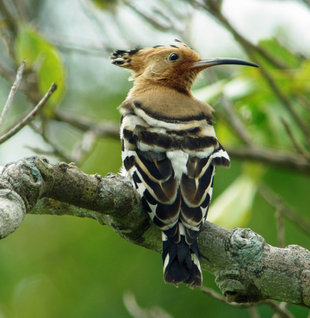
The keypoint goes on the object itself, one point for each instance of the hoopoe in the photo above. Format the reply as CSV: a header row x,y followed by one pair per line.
x,y
170,150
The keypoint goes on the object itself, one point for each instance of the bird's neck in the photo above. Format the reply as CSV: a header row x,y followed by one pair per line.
x,y
143,85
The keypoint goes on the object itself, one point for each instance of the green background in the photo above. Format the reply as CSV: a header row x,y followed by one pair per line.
x,y
71,267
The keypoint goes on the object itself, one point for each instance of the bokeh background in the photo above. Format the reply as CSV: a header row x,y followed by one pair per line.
x,y
73,267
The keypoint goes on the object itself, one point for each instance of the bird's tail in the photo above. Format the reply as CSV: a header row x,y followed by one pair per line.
x,y
181,262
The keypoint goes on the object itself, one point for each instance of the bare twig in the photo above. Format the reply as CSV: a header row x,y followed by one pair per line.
x,y
307,4
283,306
7,73
280,225
15,86
136,311
287,103
250,50
102,129
249,46
11,24
210,292
253,312
149,18
273,304
77,47
280,310
247,269
235,122
272,157
56,151
303,100
274,200
30,116
299,147
41,151
84,147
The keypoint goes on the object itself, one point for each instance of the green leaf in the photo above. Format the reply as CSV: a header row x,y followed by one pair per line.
x,y
233,208
42,57
301,84
105,4
279,52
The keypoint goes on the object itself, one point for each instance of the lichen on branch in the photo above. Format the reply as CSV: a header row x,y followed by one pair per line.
x,y
246,268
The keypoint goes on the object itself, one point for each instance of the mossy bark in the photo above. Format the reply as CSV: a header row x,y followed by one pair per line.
x,y
246,268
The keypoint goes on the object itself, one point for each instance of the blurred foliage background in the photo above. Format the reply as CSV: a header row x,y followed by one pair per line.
x,y
70,267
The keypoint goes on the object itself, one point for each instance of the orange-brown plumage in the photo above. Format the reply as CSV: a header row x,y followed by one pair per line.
x,y
152,67
170,150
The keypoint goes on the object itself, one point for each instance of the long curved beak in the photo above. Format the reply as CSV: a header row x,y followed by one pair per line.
x,y
204,63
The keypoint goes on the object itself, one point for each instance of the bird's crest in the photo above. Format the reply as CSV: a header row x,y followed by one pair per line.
x,y
159,63
123,58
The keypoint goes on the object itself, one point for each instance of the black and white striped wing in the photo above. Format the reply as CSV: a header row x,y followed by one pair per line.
x,y
172,172
153,176
196,190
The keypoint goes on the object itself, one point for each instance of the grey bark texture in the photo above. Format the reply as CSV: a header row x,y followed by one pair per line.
x,y
246,268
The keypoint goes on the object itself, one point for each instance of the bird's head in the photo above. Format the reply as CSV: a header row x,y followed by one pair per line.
x,y
175,66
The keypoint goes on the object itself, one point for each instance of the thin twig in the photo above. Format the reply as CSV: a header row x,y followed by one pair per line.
x,y
84,148
41,151
235,122
242,40
273,304
253,312
56,151
272,157
30,116
15,86
7,73
274,200
283,305
307,3
150,19
269,79
166,17
11,24
304,101
280,225
287,103
102,129
282,312
250,50
299,147
215,295
77,47
136,311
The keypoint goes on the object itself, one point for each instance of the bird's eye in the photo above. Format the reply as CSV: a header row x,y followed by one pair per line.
x,y
173,57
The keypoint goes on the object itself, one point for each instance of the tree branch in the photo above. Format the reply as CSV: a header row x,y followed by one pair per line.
x,y
15,86
252,50
102,129
271,156
30,116
247,269
250,152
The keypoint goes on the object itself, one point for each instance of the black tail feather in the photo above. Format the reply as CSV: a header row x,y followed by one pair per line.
x,y
181,262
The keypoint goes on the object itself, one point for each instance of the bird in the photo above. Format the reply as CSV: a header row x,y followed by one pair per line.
x,y
170,150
